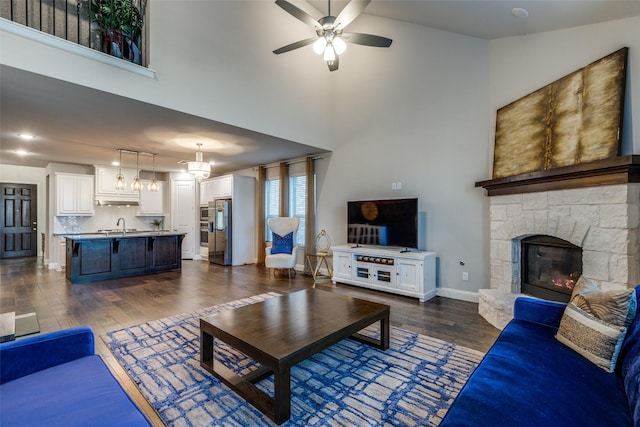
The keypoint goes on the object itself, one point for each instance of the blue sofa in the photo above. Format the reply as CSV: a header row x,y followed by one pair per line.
x,y
56,379
529,378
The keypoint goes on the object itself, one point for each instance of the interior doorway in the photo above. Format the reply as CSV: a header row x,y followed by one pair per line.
x,y
18,220
183,215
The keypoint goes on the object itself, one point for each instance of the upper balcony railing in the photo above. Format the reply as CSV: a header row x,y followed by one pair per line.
x,y
115,27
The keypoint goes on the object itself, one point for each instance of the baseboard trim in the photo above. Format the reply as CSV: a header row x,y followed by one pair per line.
x,y
458,294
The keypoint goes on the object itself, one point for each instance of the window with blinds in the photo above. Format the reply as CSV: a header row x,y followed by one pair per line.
x,y
271,203
297,202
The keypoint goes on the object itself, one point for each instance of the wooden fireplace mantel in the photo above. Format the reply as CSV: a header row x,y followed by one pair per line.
x,y
616,170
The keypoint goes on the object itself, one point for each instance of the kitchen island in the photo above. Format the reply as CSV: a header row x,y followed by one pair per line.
x,y
102,256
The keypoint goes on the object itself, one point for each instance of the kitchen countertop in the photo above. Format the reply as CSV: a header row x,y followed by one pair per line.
x,y
118,234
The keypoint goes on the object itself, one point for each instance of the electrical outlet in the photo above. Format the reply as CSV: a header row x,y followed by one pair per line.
x,y
465,276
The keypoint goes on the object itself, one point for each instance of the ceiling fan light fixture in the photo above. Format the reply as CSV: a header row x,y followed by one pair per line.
x,y
319,45
329,31
329,53
199,169
339,45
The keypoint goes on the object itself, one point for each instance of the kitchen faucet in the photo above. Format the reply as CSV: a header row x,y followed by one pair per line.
x,y
124,227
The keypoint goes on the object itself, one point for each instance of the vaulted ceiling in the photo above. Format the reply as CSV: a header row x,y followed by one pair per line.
x,y
86,124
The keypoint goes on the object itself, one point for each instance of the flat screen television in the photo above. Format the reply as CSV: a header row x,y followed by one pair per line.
x,y
392,222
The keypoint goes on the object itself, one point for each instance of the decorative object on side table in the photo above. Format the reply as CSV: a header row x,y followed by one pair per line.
x,y
323,243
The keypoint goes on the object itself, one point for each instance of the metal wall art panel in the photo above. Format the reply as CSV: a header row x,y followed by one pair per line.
x,y
576,119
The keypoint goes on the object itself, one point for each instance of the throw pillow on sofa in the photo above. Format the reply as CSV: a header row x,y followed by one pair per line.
x,y
595,322
616,307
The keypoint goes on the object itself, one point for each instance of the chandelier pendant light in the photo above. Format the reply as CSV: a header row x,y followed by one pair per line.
x,y
153,185
199,169
120,183
136,185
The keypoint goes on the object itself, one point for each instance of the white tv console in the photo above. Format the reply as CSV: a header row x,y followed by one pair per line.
x,y
386,269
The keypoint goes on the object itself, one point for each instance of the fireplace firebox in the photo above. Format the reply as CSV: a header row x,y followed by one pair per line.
x,y
549,267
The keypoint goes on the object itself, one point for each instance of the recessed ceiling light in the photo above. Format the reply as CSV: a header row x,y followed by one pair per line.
x,y
212,163
26,136
21,152
115,163
519,12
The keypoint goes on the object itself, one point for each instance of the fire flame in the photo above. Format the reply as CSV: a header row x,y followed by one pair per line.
x,y
563,282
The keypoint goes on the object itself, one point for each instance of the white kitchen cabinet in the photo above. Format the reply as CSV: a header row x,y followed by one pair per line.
x,y
74,195
206,192
151,203
222,187
105,190
387,269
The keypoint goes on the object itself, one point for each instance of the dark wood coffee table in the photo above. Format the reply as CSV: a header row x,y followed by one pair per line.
x,y
283,331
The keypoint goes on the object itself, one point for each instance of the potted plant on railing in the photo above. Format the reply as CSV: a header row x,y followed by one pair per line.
x,y
120,23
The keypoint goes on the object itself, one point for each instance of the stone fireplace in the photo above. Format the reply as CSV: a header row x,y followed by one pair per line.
x,y
593,207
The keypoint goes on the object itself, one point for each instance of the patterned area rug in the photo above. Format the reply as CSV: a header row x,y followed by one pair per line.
x,y
349,384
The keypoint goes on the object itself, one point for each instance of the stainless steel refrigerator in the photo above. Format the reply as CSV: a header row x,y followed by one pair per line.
x,y
220,232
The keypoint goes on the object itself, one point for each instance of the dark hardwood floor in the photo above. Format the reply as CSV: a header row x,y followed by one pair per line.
x,y
27,285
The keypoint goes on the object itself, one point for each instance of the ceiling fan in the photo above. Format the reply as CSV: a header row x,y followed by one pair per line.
x,y
330,36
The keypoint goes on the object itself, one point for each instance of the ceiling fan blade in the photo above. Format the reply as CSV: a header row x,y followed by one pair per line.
x,y
351,12
298,13
333,65
367,39
295,45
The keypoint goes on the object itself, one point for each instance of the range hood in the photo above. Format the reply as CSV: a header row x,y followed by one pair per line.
x,y
115,202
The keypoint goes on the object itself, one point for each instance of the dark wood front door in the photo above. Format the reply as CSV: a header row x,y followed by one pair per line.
x,y
18,227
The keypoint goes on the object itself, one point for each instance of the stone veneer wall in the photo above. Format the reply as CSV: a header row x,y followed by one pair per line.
x,y
604,221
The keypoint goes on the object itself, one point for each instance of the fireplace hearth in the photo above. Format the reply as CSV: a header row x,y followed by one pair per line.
x,y
550,267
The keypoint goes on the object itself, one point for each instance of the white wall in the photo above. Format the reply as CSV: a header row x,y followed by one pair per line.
x,y
416,115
